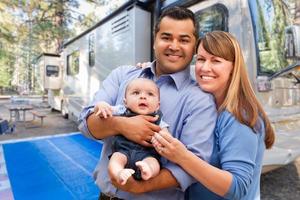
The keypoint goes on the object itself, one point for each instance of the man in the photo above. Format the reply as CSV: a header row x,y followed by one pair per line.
x,y
190,113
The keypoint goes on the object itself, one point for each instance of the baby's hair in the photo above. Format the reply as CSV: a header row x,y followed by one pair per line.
x,y
141,78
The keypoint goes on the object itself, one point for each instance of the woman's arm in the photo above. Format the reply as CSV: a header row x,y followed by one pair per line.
x,y
217,180
237,151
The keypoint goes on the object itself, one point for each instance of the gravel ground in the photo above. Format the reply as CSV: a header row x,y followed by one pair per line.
x,y
280,184
54,123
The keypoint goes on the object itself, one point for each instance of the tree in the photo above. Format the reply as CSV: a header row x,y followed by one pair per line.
x,y
31,27
28,28
7,30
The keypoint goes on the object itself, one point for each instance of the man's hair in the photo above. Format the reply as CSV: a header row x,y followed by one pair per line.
x,y
177,13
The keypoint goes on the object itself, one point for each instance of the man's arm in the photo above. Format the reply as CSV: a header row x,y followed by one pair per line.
x,y
101,128
163,180
138,129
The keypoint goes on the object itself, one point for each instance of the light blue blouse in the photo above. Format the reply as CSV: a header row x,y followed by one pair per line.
x,y
239,151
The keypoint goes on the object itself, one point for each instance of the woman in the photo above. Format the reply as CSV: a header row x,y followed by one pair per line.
x,y
242,132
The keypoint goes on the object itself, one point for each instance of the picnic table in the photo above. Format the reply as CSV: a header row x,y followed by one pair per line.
x,y
16,109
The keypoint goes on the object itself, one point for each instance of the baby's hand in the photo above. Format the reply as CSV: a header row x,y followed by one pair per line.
x,y
103,109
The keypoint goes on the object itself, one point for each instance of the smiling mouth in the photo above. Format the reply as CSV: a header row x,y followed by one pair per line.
x,y
173,56
207,77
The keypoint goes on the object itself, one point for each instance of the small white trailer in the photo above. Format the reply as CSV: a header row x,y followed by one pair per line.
x,y
49,76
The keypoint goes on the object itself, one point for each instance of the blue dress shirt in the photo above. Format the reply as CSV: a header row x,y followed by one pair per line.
x,y
190,113
240,151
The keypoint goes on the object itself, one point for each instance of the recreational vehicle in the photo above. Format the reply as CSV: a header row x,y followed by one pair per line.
x,y
269,34
48,71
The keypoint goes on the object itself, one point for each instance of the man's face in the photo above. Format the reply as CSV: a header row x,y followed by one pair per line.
x,y
174,45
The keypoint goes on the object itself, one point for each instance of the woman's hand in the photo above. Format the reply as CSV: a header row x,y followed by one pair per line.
x,y
143,64
169,147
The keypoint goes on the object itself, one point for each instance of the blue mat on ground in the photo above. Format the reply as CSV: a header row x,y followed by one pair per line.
x,y
52,168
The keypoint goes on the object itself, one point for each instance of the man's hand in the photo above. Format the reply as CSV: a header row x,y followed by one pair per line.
x,y
139,129
143,64
163,180
131,186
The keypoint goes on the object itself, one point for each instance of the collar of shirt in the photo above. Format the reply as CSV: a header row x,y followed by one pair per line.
x,y
178,78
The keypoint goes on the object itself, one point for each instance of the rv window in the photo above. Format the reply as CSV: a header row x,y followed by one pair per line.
x,y
73,63
212,18
91,50
52,70
270,20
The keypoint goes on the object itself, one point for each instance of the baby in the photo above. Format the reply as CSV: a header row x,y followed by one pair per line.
x,y
128,158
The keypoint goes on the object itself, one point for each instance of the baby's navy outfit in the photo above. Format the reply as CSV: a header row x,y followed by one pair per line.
x,y
133,151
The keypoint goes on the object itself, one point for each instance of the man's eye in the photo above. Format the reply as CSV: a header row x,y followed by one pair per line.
x,y
185,41
165,38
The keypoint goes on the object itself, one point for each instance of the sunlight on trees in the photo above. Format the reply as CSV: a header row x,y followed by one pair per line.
x,y
29,28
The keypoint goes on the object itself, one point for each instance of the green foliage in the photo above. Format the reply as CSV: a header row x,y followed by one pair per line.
x,y
31,27
28,28
5,70
271,32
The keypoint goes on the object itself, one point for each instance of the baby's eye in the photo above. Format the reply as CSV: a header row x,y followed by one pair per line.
x,y
136,93
151,94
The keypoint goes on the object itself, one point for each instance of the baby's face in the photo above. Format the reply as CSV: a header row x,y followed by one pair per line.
x,y
142,97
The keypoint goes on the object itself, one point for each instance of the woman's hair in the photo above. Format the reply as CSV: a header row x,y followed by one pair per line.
x,y
240,99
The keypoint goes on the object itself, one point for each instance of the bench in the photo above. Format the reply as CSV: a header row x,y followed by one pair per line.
x,y
39,115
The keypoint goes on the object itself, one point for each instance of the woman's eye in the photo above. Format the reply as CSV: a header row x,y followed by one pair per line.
x,y
216,61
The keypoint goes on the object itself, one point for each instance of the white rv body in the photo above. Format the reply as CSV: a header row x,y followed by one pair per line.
x,y
50,71
49,75
116,42
124,38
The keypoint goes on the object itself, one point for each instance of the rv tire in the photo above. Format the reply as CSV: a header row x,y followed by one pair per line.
x,y
63,111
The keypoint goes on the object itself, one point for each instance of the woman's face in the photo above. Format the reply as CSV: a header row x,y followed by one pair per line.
x,y
212,73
